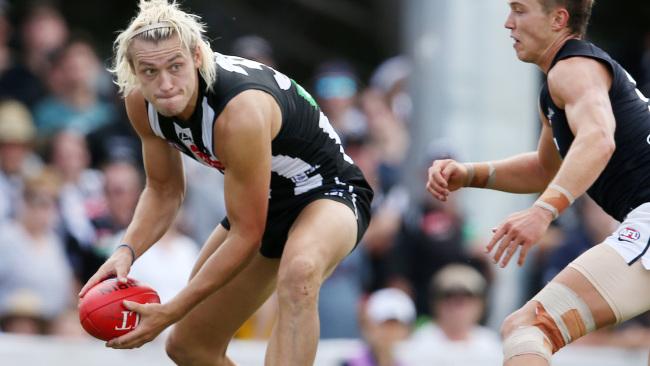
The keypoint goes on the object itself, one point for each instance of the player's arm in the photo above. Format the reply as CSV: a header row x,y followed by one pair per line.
x,y
244,132
523,173
529,172
158,203
165,182
581,87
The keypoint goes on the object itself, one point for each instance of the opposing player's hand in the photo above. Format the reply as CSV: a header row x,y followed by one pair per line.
x,y
446,176
117,265
154,318
521,229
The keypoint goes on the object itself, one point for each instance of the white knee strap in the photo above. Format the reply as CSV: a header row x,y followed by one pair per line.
x,y
524,341
560,318
570,313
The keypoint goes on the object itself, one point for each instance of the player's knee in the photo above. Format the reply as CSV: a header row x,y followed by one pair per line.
x,y
177,350
553,319
183,352
299,280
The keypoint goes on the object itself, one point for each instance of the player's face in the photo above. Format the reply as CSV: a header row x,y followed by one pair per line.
x,y
167,73
530,28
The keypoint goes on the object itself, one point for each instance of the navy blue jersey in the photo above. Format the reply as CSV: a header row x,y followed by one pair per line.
x,y
624,184
307,152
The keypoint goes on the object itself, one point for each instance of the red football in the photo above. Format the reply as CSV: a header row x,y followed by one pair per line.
x,y
102,313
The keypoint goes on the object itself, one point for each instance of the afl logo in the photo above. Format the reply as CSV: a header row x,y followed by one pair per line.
x,y
628,234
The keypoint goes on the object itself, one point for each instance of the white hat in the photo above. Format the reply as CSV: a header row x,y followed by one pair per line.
x,y
390,304
16,123
458,278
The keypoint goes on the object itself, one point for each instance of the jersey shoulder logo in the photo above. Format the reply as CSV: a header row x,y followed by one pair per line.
x,y
629,234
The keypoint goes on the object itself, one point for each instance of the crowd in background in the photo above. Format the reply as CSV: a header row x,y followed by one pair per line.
x,y
71,175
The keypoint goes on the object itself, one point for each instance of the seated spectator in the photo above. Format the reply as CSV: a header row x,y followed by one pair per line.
x,y
336,90
174,252
32,257
17,158
43,30
23,313
338,302
81,199
123,183
387,318
75,101
457,298
254,48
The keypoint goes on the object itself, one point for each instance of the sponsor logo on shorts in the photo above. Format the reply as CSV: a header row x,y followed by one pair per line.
x,y
628,234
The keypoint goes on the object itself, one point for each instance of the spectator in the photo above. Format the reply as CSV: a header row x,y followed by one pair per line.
x,y
17,134
75,101
23,313
391,80
336,89
254,48
387,319
81,200
43,31
32,258
455,338
339,298
123,183
176,253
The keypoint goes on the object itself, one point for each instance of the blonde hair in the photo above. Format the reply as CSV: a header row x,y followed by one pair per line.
x,y
159,20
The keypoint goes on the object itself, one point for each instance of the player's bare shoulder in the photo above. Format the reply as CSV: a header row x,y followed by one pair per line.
x,y
136,110
575,76
250,109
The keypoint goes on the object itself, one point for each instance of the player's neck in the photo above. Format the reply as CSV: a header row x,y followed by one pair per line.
x,y
547,57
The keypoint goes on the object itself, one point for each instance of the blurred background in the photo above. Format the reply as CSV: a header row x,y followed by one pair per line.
x,y
403,83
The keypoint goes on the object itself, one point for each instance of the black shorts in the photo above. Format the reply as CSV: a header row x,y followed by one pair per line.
x,y
284,212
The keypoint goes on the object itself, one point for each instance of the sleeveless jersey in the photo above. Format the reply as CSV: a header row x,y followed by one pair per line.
x,y
306,153
624,184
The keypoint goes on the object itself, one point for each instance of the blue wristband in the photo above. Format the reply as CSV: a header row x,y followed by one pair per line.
x,y
130,248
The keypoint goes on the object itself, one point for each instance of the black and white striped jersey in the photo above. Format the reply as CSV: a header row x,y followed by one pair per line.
x,y
307,152
624,184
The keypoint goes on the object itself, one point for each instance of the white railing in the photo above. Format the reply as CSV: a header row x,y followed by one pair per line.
x,y
52,351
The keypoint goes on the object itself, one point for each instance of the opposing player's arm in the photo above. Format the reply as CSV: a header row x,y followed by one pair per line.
x,y
165,182
581,87
528,172
244,131
523,173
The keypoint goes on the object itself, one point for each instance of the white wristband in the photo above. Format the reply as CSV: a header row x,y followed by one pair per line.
x,y
547,206
470,173
492,175
564,191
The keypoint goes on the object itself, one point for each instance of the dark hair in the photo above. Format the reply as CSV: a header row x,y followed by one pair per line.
x,y
579,13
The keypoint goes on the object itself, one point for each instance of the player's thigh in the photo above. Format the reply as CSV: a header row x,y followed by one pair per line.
x,y
213,322
621,286
214,241
325,231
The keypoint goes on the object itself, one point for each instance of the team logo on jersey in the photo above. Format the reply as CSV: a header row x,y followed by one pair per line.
x,y
628,234
185,135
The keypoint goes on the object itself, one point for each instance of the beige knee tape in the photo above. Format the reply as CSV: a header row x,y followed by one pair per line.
x,y
525,341
571,315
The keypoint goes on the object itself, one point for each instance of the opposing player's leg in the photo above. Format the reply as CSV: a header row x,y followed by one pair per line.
x,y
322,235
202,336
597,289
